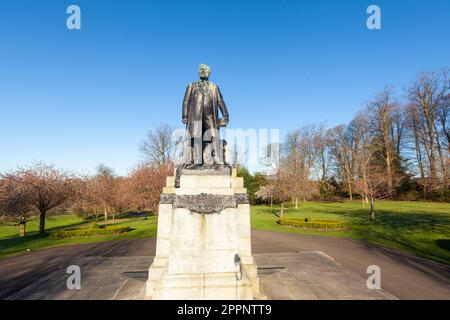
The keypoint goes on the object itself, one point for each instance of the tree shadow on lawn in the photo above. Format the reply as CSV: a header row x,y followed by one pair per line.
x,y
426,247
406,230
22,243
436,270
385,238
425,221
11,241
47,229
413,231
268,211
443,244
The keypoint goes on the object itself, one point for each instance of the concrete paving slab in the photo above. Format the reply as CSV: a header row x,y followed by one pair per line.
x,y
312,275
284,276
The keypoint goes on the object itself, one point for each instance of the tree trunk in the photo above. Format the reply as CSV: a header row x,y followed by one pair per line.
x,y
105,211
42,221
441,159
432,159
296,203
387,152
22,232
418,153
389,172
372,209
350,192
271,201
282,210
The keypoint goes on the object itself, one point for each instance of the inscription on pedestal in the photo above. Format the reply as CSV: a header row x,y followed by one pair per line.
x,y
204,203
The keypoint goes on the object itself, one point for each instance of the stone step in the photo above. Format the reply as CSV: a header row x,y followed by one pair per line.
x,y
260,296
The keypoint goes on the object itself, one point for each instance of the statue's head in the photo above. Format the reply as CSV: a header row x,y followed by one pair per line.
x,y
204,71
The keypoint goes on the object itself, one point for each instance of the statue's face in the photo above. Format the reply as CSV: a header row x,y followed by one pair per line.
x,y
204,71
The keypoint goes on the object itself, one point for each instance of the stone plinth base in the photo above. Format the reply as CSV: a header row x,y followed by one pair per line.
x,y
203,244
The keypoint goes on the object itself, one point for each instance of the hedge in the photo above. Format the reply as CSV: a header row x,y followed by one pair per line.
x,y
88,232
313,224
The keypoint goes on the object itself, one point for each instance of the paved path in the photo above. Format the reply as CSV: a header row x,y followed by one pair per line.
x,y
403,275
311,275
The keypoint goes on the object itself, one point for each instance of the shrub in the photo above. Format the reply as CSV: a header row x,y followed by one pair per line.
x,y
253,183
308,223
94,225
88,232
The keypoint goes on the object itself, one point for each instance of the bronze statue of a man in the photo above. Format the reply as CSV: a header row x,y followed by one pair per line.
x,y
201,105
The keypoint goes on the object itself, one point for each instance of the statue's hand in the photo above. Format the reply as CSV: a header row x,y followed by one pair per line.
x,y
223,122
185,120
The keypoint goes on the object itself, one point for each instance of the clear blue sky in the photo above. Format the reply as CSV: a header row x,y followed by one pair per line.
x,y
78,98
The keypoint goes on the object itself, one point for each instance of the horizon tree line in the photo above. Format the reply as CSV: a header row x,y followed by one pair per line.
x,y
390,149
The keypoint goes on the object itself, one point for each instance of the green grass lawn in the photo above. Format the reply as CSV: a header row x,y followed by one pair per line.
x,y
420,228
11,243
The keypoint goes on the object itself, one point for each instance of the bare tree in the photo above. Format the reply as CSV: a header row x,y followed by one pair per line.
x,y
323,158
443,114
45,187
281,188
444,119
89,199
144,186
266,193
301,151
375,184
372,182
414,147
15,204
344,148
104,188
159,147
386,126
427,95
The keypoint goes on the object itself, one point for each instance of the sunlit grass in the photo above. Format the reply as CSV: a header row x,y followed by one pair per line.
x,y
11,243
421,228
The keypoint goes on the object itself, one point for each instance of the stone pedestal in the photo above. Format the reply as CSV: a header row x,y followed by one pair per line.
x,y
203,245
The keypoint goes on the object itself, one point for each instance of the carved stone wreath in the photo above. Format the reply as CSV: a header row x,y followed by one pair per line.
x,y
204,203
